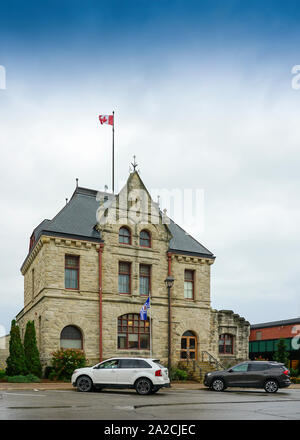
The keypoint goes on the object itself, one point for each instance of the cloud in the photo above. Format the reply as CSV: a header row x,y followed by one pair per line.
x,y
190,127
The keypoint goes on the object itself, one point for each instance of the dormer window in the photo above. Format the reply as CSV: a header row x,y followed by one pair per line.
x,y
124,235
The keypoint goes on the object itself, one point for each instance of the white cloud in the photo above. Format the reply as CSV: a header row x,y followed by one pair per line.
x,y
239,144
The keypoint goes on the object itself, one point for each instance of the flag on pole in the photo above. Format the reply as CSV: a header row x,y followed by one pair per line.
x,y
106,119
143,311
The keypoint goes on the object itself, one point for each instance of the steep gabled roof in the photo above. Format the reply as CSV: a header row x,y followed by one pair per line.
x,y
182,242
77,219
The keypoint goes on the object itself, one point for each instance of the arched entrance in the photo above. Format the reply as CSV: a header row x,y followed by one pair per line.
x,y
188,346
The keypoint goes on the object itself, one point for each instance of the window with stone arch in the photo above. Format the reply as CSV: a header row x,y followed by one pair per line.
x,y
226,343
133,332
124,235
71,337
145,238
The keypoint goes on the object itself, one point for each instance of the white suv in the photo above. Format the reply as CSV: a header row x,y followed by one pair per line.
x,y
147,376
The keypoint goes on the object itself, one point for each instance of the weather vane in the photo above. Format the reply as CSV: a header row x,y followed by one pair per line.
x,y
134,164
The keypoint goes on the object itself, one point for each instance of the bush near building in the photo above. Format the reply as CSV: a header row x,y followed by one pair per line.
x,y
32,356
15,363
65,361
29,378
281,354
178,374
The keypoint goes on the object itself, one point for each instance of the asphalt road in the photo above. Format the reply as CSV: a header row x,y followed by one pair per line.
x,y
167,404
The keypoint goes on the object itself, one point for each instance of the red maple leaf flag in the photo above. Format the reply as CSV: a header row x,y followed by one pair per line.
x,y
106,119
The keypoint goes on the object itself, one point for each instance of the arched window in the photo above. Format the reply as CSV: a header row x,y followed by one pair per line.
x,y
124,235
226,344
145,239
133,333
71,337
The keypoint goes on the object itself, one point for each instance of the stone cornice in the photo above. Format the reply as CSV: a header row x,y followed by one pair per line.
x,y
192,259
29,259
59,241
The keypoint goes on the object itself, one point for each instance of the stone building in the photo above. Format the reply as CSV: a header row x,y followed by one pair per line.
x,y
90,269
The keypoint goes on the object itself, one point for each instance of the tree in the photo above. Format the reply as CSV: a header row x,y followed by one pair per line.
x,y
281,354
32,356
15,362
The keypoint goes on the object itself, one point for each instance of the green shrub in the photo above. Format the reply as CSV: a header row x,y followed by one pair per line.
x,y
32,356
65,361
178,374
294,373
47,371
29,378
2,375
281,354
15,362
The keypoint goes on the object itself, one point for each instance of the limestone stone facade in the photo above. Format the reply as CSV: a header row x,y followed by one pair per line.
x,y
53,306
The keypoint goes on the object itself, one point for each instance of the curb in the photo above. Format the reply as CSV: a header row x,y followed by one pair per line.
x,y
69,387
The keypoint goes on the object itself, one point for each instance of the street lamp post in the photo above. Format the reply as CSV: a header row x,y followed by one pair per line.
x,y
169,281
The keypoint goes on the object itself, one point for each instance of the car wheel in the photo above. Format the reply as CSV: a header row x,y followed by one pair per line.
x,y
271,386
218,385
84,384
154,390
143,386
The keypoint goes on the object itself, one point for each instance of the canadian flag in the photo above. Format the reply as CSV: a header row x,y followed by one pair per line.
x,y
106,119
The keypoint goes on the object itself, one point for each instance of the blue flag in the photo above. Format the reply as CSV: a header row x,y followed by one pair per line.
x,y
143,311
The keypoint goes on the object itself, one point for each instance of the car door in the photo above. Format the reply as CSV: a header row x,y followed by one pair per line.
x,y
257,373
237,376
129,369
106,372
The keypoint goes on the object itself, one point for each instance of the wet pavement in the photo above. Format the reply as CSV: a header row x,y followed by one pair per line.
x,y
167,404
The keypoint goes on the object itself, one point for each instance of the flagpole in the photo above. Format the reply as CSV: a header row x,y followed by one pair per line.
x,y
113,154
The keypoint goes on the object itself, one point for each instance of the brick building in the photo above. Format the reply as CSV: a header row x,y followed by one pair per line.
x,y
90,269
265,336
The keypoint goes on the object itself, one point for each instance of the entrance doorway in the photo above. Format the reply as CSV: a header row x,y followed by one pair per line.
x,y
188,346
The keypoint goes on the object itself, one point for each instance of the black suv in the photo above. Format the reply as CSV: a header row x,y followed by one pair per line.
x,y
250,374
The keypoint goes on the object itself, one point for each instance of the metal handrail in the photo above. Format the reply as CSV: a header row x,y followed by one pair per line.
x,y
212,359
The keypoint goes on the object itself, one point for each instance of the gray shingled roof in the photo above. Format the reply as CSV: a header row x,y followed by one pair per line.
x,y
78,218
275,323
185,243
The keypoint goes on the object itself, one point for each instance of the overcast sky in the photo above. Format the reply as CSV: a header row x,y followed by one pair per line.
x,y
202,92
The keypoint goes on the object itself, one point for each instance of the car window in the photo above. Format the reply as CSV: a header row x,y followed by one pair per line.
x,y
241,367
157,361
134,363
280,366
109,364
258,367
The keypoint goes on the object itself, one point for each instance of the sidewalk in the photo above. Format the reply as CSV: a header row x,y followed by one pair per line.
x,y
64,386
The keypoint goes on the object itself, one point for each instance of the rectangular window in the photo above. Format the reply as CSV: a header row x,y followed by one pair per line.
x,y
226,344
189,284
258,336
124,277
71,272
145,279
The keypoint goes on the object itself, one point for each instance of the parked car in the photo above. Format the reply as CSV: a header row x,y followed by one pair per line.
x,y
251,374
147,376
